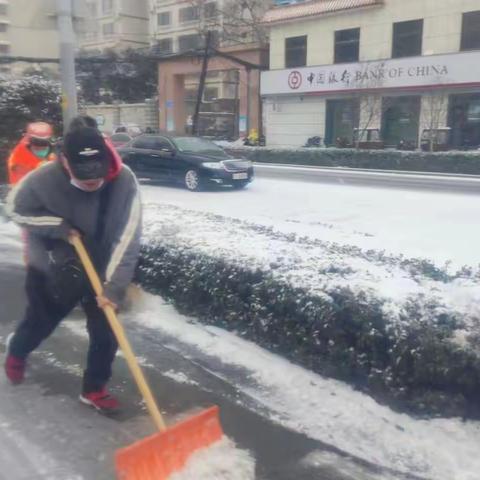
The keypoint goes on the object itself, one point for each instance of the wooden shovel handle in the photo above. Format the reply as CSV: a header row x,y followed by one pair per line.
x,y
120,335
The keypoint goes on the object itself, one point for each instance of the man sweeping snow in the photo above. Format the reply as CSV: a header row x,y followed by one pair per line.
x,y
87,192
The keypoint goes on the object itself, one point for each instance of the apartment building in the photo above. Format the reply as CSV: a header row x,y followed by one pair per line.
x,y
400,66
27,29
176,25
114,25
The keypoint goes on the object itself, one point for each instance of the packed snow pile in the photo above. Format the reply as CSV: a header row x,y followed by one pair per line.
x,y
403,329
221,461
330,411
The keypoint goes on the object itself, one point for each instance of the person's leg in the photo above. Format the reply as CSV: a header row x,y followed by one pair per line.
x,y
42,315
101,353
102,349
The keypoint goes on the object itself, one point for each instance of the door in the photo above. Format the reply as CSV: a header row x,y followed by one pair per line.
x,y
342,119
157,165
142,149
401,120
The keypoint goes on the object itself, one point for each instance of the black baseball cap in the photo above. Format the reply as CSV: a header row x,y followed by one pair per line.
x,y
86,153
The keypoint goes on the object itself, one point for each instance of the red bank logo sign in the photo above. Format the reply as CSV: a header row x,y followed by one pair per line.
x,y
295,80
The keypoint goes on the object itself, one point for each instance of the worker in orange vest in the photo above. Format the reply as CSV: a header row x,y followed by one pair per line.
x,y
34,149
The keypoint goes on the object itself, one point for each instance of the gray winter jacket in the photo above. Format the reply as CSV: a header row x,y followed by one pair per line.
x,y
47,205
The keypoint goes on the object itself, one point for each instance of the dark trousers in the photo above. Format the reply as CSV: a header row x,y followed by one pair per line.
x,y
47,307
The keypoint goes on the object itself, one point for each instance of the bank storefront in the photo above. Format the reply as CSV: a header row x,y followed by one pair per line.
x,y
398,100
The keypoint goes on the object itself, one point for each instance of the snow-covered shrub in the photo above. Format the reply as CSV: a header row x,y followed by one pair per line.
x,y
325,306
23,100
445,162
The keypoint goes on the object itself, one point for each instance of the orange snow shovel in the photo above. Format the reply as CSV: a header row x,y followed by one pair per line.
x,y
164,453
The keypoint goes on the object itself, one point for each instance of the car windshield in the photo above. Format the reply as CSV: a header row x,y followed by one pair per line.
x,y
199,145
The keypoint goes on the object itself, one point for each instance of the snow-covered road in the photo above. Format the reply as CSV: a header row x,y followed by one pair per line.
x,y
439,226
244,377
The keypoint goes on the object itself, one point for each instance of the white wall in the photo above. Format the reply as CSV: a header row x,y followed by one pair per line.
x,y
288,121
291,121
442,29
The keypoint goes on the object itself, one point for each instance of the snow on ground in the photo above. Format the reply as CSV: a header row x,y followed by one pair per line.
x,y
325,409
11,243
319,267
179,377
221,461
439,226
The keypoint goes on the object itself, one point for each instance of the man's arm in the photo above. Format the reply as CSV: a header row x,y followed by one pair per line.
x,y
25,208
126,249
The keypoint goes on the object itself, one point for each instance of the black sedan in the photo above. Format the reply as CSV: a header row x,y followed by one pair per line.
x,y
191,161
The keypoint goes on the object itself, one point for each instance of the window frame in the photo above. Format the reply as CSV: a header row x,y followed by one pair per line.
x,y
397,38
194,42
195,18
215,10
165,51
302,62
464,34
166,13
341,44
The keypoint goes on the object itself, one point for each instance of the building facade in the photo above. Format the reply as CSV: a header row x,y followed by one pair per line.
x,y
114,25
178,31
402,68
27,29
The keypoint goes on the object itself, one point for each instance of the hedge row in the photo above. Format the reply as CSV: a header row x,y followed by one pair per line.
x,y
415,367
449,162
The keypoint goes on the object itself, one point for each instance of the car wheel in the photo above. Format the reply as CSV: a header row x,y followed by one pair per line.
x,y
192,181
239,185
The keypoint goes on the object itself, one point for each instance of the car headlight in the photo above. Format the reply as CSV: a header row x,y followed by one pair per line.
x,y
213,165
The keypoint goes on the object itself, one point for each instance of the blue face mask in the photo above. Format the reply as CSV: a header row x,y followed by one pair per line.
x,y
43,153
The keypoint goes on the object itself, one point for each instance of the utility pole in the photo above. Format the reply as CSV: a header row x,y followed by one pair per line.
x,y
67,60
201,87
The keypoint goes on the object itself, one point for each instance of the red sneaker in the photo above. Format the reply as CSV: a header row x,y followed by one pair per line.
x,y
15,369
101,400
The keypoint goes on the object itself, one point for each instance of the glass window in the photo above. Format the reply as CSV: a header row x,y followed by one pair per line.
x,y
347,45
4,49
108,29
296,52
146,143
189,42
107,6
3,9
189,14
165,46
197,145
164,19
464,120
401,120
162,143
210,9
471,31
342,120
407,39
210,94
3,27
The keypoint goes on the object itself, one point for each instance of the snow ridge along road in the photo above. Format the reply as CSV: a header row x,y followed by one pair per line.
x,y
468,184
